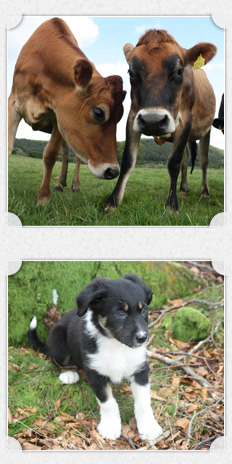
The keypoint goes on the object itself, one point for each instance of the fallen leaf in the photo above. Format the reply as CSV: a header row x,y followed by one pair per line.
x,y
10,417
198,289
32,409
183,423
57,403
14,367
194,269
176,302
175,381
30,446
202,371
204,393
154,396
32,366
193,408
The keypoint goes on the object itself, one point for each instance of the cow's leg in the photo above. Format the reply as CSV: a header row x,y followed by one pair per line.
x,y
76,183
62,179
127,166
110,423
184,167
147,426
49,158
204,159
14,119
174,162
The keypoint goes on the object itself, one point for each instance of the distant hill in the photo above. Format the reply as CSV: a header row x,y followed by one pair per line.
x,y
149,152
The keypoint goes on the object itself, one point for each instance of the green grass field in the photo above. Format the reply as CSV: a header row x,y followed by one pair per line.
x,y
143,203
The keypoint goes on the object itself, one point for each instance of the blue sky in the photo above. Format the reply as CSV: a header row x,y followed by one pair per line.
x,y
102,40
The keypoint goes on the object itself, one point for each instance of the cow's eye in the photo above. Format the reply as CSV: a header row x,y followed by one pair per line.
x,y
133,76
99,114
180,72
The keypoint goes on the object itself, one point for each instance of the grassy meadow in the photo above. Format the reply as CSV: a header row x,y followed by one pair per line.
x,y
143,202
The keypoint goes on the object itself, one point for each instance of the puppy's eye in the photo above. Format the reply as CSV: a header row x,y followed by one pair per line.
x,y
121,314
99,114
144,311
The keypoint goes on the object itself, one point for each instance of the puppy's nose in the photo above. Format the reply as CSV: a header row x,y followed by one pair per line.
x,y
141,337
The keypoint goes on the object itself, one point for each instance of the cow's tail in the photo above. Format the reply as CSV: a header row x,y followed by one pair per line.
x,y
36,343
193,151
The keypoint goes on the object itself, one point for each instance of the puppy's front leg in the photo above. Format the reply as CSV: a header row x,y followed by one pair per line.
x,y
148,427
110,423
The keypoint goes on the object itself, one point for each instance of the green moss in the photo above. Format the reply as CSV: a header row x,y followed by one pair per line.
x,y
30,289
170,409
190,324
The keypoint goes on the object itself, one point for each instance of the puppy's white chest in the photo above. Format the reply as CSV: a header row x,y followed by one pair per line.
x,y
115,360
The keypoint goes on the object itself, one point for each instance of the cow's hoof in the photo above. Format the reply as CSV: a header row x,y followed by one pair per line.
x,y
172,204
184,190
111,205
43,201
205,195
59,188
75,187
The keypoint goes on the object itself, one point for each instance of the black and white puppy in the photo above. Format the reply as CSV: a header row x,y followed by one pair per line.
x,y
107,340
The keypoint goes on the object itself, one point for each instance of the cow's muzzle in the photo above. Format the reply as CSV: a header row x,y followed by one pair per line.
x,y
154,121
104,171
111,173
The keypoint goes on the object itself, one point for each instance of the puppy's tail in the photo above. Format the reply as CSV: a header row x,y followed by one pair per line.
x,y
36,343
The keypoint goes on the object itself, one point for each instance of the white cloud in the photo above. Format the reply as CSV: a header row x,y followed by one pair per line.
x,y
213,66
109,69
145,27
84,29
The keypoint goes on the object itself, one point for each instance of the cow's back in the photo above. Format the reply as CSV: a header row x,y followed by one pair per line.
x,y
41,55
204,106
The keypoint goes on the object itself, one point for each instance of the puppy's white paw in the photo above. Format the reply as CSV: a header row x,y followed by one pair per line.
x,y
110,424
69,377
109,430
149,429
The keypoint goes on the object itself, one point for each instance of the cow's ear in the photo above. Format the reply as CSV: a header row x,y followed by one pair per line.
x,y
200,54
83,71
127,51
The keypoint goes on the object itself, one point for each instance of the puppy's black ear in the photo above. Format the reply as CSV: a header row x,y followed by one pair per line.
x,y
136,279
90,296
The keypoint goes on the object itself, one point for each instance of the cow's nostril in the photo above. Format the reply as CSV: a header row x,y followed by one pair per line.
x,y
142,121
163,122
111,173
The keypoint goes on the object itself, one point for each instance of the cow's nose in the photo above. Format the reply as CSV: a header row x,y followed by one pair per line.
x,y
111,173
141,337
157,120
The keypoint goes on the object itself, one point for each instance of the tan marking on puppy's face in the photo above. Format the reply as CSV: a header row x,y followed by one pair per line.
x,y
102,321
140,305
125,306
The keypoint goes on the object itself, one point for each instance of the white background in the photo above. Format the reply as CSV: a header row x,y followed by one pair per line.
x,y
153,243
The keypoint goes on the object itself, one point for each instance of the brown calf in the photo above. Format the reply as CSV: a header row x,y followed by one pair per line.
x,y
56,89
170,101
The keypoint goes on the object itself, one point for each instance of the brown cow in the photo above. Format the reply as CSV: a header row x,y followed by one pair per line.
x,y
169,100
56,89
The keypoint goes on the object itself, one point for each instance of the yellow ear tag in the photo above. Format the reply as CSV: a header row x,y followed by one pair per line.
x,y
200,62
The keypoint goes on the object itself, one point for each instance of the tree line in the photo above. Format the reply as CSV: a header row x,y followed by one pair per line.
x,y
149,152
